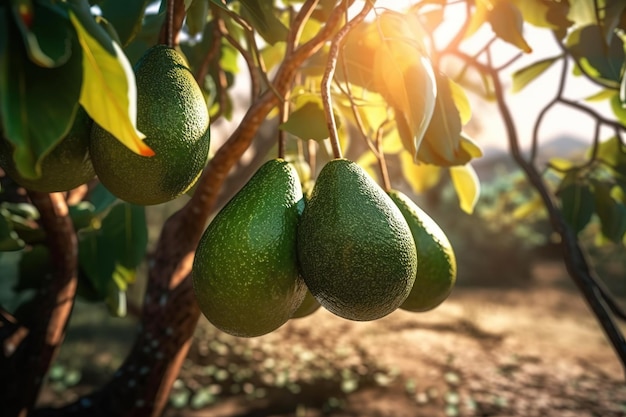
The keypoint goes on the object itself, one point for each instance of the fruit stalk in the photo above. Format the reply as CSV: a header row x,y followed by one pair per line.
x,y
329,73
382,162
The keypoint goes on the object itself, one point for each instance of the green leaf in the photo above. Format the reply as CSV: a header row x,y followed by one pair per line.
x,y
444,144
125,16
119,243
47,35
197,16
582,12
109,92
9,239
507,23
260,14
146,37
34,266
524,76
307,122
612,213
82,214
612,153
31,123
598,58
577,203
421,177
102,200
546,14
466,185
618,110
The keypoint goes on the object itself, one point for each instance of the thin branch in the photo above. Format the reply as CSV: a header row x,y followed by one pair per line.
x,y
382,162
212,52
255,84
559,93
574,257
296,27
31,345
327,79
174,18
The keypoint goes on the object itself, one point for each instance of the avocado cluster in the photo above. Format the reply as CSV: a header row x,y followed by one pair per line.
x,y
271,254
171,112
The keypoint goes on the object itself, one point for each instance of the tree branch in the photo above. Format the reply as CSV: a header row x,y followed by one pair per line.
x,y
170,313
573,255
30,346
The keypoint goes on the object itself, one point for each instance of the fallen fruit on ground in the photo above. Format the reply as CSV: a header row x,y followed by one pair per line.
x,y
356,252
67,166
172,113
436,273
245,271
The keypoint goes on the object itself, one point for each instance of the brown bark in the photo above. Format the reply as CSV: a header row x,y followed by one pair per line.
x,y
28,347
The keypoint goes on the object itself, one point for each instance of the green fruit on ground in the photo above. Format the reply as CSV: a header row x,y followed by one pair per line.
x,y
356,252
309,306
436,273
172,113
67,166
245,272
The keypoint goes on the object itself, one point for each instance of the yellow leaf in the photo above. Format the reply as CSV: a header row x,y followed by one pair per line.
x,y
461,101
507,23
392,144
533,206
403,73
108,92
478,17
420,177
467,186
369,163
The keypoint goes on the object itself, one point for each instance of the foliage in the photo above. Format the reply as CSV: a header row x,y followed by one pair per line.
x,y
401,90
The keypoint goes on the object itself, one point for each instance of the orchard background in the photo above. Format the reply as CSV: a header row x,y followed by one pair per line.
x,y
535,326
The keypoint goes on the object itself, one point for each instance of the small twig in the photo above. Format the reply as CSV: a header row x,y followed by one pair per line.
x,y
559,93
174,18
296,27
282,133
331,65
255,84
213,51
31,345
382,163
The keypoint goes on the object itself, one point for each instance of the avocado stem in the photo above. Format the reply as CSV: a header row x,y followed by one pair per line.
x,y
170,23
382,163
331,65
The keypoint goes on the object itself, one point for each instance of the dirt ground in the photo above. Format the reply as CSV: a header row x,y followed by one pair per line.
x,y
533,350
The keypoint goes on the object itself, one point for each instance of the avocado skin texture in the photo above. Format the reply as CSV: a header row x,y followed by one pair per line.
x,y
436,274
245,272
356,252
67,166
172,113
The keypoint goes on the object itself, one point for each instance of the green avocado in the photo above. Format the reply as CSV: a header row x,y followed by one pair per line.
x,y
356,252
245,271
172,113
436,274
